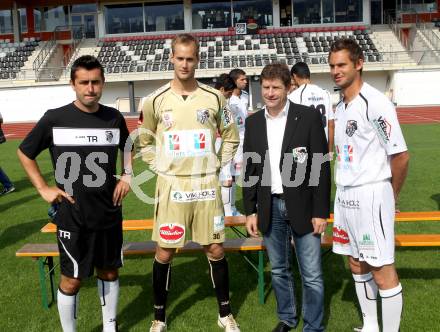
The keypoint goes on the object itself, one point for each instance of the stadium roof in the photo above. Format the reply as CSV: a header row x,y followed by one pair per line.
x,y
7,4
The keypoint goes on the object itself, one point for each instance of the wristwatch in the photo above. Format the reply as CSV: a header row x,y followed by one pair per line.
x,y
127,171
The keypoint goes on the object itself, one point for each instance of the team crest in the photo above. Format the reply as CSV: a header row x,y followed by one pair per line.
x,y
109,136
202,116
227,117
351,127
167,119
299,154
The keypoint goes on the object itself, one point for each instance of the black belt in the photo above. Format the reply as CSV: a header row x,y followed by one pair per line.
x,y
279,196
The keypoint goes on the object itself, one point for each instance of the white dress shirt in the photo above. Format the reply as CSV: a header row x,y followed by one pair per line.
x,y
275,133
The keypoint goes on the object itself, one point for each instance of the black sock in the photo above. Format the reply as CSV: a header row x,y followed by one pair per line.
x,y
161,282
220,281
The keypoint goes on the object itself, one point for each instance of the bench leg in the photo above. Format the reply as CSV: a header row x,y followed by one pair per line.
x,y
261,276
51,277
259,268
43,287
42,262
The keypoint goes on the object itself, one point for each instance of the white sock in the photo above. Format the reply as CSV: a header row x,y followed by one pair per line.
x,y
233,196
366,291
109,295
226,198
392,303
67,309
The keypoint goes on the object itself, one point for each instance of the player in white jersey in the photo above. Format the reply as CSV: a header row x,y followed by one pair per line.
x,y
371,166
309,94
238,104
225,84
239,97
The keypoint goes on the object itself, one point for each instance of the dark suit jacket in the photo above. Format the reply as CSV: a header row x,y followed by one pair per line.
x,y
304,129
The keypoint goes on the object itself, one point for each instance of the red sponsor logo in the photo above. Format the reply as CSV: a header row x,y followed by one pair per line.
x,y
174,142
171,233
340,236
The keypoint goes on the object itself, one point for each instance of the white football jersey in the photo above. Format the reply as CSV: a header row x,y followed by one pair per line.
x,y
239,117
367,132
241,102
239,106
313,96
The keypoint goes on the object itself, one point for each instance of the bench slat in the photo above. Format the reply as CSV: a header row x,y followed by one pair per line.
x,y
147,224
145,247
236,244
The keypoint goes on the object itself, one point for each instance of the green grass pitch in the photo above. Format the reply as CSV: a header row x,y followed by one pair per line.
x,y
192,304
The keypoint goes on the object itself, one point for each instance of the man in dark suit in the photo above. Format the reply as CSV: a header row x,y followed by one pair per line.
x,y
286,194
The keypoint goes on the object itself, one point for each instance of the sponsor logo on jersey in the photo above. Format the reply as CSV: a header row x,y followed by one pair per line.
x,y
383,127
340,235
64,234
227,117
202,116
366,240
171,233
174,142
351,127
187,143
349,203
167,119
219,223
346,155
193,196
85,136
314,98
176,196
239,120
299,154
367,246
199,141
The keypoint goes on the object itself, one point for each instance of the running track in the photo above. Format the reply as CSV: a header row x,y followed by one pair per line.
x,y
407,115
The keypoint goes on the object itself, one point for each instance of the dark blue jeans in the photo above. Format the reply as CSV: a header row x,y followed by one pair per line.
x,y
5,180
308,253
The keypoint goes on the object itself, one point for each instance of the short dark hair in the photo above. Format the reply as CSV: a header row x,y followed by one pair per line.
x,y
236,73
88,62
300,69
276,71
185,38
353,48
226,82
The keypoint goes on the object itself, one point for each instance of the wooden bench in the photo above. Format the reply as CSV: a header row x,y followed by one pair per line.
x,y
147,224
44,254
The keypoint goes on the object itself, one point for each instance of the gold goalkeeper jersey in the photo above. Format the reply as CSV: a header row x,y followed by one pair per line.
x,y
178,134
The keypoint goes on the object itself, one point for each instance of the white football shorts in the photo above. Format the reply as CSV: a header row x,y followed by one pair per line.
x,y
364,223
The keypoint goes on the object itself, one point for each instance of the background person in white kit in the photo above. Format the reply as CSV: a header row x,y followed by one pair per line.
x,y
225,84
371,166
309,94
238,104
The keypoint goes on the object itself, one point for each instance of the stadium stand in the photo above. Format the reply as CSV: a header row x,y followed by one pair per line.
x,y
228,50
14,56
